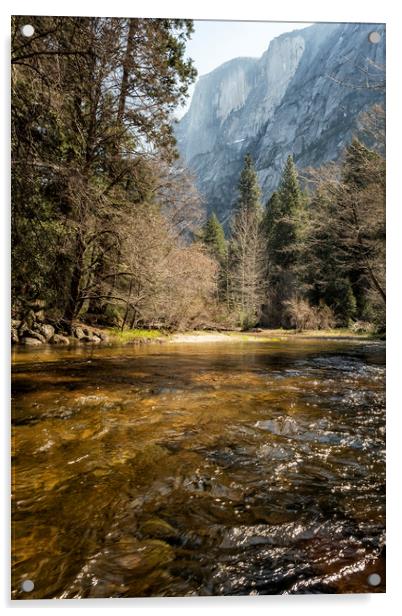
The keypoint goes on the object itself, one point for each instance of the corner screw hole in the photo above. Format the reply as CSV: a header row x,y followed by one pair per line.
x,y
374,37
27,30
27,586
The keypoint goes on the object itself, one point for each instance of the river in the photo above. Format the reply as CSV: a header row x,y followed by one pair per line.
x,y
198,469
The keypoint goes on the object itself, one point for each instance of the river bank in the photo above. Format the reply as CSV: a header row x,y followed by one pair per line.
x,y
38,334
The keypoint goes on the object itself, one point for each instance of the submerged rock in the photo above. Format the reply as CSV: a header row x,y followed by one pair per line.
x,y
143,556
160,529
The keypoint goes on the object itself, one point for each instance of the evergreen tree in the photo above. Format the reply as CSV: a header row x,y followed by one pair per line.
x,y
213,237
283,220
247,250
344,249
324,277
286,224
249,199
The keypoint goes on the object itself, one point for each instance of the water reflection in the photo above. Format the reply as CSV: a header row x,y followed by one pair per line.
x,y
249,468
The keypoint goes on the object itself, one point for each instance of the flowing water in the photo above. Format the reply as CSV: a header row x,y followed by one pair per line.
x,y
203,469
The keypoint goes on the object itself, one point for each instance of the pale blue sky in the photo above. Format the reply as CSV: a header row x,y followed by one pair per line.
x,y
216,42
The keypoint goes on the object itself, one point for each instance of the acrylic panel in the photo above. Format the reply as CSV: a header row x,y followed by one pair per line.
x,y
198,307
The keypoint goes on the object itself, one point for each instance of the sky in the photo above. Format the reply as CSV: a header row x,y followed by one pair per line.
x,y
216,42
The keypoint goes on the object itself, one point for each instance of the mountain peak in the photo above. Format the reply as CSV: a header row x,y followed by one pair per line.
x,y
302,96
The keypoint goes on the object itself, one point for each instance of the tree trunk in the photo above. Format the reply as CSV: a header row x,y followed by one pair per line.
x,y
126,72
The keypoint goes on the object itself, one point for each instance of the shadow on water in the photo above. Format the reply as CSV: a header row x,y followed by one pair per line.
x,y
238,469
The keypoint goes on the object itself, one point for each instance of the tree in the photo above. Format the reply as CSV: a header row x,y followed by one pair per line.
x,y
213,237
347,233
92,105
283,222
249,199
247,250
324,276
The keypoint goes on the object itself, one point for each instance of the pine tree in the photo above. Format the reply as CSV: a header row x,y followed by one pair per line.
x,y
247,250
213,237
285,226
283,220
324,276
249,198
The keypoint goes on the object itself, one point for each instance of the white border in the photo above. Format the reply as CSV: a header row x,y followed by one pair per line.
x,y
289,10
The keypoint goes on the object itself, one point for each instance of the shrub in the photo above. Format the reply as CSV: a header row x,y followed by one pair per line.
x,y
363,327
304,316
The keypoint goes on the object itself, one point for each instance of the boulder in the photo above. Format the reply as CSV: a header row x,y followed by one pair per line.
x,y
79,333
59,339
22,328
40,316
31,333
14,336
46,330
30,318
31,341
90,339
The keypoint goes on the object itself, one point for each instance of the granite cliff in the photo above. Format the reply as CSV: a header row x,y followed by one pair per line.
x,y
302,97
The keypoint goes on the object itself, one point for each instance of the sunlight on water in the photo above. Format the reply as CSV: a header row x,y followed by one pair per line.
x,y
252,468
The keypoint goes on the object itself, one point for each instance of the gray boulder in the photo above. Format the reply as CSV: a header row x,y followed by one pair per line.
x,y
46,330
59,339
79,333
31,333
31,342
90,339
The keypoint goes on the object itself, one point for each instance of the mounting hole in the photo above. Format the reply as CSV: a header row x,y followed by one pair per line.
x,y
27,30
27,586
374,579
374,37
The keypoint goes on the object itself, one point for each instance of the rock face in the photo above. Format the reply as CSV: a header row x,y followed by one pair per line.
x,y
302,97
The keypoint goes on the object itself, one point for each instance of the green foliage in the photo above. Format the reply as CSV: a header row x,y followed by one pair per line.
x,y
344,251
283,227
249,199
213,237
282,218
246,271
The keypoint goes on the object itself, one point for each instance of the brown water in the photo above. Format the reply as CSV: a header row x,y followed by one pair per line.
x,y
204,469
